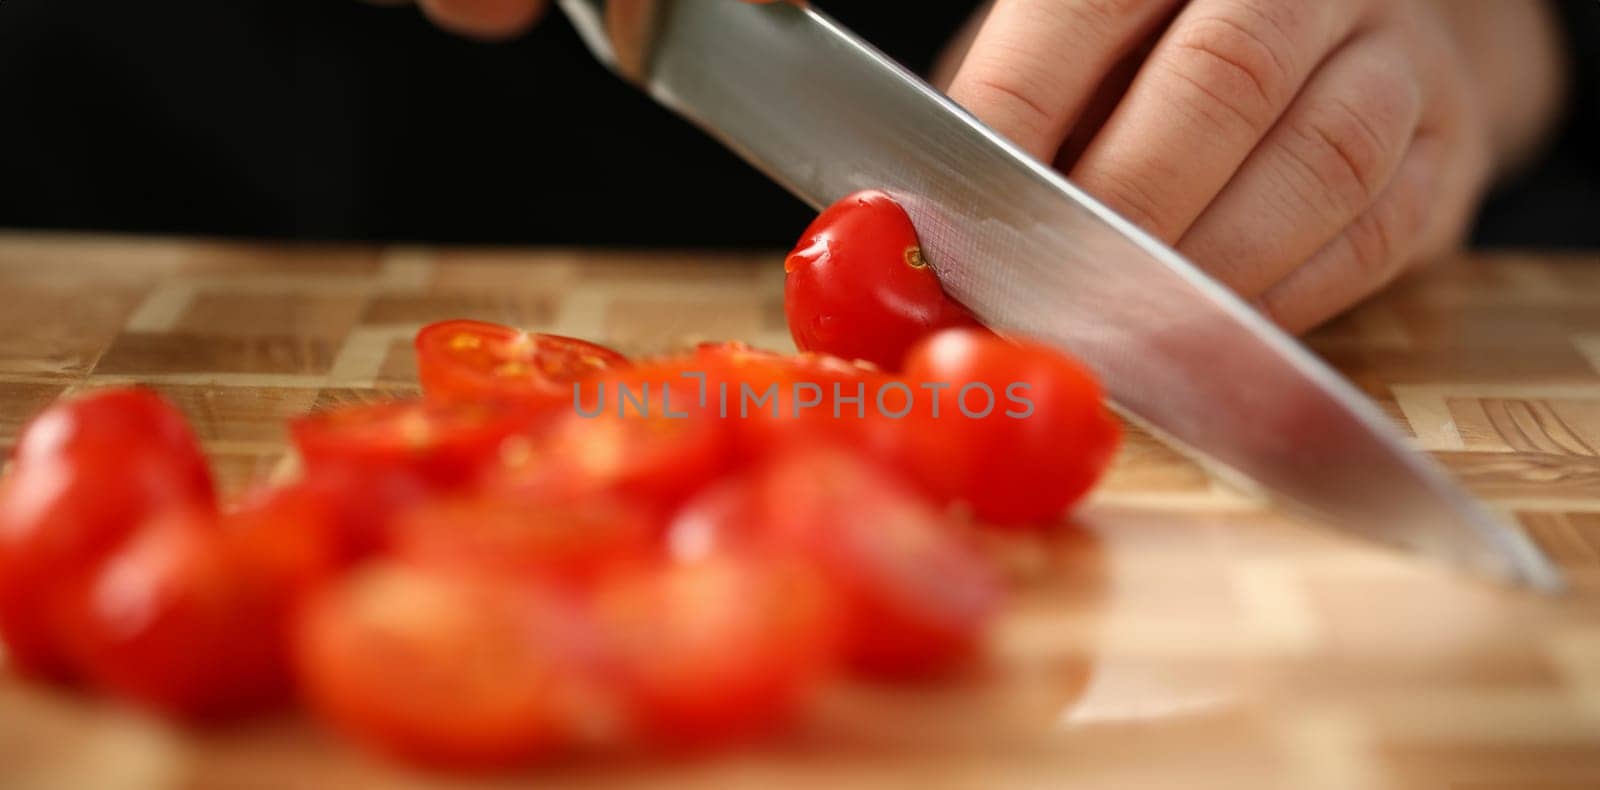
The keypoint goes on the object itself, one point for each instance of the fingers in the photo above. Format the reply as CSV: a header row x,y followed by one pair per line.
x,y
1368,255
1317,171
484,18
1215,84
1035,63
1423,213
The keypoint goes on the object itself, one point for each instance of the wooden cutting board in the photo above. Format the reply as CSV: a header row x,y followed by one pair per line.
x,y
1180,635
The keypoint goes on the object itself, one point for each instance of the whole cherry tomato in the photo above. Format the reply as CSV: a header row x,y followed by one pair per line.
x,y
859,287
478,361
181,620
918,595
719,649
1020,432
451,670
87,471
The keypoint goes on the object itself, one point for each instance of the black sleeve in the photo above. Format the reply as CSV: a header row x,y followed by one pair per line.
x,y
1556,204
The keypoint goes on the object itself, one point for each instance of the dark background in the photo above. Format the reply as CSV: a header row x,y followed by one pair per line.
x,y
331,119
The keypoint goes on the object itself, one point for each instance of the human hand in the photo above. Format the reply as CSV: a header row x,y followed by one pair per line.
x,y
1304,152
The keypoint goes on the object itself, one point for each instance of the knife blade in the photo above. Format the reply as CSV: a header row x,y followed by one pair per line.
x,y
824,114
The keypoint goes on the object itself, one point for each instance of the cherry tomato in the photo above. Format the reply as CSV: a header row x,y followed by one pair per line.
x,y
918,595
642,434
1042,441
295,536
719,649
450,670
477,361
442,445
109,423
774,401
859,287
574,539
180,621
86,473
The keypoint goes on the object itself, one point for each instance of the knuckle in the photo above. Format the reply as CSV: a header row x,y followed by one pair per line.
x,y
1014,106
1351,145
1235,64
1128,197
1377,239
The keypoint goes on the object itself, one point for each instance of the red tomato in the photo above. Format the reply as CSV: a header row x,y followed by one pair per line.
x,y
641,434
110,423
179,621
448,670
858,286
441,445
295,535
86,473
575,538
477,361
918,595
774,401
719,649
1045,439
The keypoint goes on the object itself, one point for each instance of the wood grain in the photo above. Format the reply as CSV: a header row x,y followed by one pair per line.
x,y
1178,634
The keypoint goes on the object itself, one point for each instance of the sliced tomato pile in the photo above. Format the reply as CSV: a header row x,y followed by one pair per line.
x,y
556,549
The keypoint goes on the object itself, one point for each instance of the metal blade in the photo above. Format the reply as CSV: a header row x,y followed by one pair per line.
x,y
825,114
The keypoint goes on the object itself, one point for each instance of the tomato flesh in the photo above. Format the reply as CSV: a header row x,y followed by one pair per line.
x,y
479,361
440,445
719,649
858,286
447,670
918,596
573,539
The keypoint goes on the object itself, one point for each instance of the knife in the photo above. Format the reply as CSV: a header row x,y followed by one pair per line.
x,y
825,114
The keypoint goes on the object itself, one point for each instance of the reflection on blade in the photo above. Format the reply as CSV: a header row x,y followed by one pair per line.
x,y
825,115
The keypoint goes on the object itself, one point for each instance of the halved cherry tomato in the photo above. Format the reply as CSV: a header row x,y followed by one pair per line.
x,y
918,594
437,444
859,287
641,433
478,361
450,670
774,401
575,538
1042,438
718,649
86,473
180,621
295,535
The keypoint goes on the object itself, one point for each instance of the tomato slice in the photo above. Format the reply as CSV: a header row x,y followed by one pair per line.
x,y
441,445
642,434
450,670
86,473
478,361
918,594
574,539
1022,431
179,620
295,536
720,649
773,401
859,287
